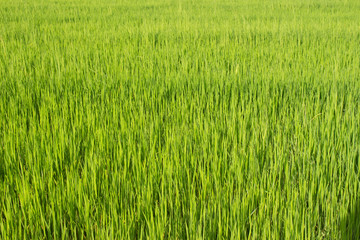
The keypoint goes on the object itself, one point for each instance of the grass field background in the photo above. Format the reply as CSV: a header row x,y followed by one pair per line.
x,y
179,119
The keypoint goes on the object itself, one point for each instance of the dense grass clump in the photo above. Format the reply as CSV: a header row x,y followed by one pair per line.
x,y
179,119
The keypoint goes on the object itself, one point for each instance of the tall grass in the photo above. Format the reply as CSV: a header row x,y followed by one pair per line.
x,y
179,119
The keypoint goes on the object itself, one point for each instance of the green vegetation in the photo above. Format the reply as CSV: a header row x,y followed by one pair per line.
x,y
179,119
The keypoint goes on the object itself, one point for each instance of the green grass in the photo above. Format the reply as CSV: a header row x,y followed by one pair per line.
x,y
179,119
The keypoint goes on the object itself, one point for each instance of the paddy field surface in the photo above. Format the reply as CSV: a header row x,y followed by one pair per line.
x,y
179,119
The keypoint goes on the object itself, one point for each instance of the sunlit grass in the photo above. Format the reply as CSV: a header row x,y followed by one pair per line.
x,y
179,119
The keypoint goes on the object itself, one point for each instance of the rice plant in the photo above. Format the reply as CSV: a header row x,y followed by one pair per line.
x,y
179,119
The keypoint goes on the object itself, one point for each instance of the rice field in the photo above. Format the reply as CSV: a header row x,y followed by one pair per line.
x,y
179,119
